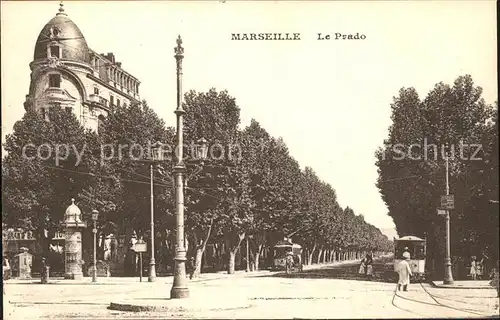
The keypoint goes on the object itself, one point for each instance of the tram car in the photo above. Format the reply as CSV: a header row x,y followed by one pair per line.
x,y
280,252
416,247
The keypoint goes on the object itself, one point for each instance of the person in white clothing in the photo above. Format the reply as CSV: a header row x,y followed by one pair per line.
x,y
404,272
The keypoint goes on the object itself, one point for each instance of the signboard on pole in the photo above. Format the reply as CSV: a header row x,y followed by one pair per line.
x,y
140,247
441,212
447,202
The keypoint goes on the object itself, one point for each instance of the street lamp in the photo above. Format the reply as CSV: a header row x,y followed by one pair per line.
x,y
157,155
202,149
179,287
448,275
95,216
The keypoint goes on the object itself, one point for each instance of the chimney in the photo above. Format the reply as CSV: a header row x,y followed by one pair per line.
x,y
119,64
111,57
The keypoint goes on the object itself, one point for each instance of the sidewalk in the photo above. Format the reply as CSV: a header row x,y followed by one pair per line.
x,y
467,284
168,279
115,280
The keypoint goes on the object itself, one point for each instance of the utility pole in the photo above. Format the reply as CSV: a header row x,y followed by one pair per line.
x,y
448,276
248,257
152,268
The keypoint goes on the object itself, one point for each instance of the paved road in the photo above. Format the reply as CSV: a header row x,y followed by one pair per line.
x,y
321,292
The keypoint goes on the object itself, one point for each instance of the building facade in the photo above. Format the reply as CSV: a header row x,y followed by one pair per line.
x,y
65,72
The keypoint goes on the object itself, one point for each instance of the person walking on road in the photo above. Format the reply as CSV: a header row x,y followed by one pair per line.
x,y
495,278
362,266
190,267
366,267
404,272
289,262
473,268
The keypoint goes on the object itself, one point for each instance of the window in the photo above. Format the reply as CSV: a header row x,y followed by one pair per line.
x,y
55,80
69,109
118,102
96,90
42,111
111,100
54,51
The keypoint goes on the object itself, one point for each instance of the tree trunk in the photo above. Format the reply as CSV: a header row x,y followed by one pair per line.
x,y
232,254
310,260
319,255
230,268
257,257
200,249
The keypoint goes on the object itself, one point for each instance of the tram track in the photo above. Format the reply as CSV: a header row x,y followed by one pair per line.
x,y
433,297
435,304
403,309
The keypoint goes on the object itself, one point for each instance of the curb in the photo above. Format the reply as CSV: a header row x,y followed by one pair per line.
x,y
150,305
448,286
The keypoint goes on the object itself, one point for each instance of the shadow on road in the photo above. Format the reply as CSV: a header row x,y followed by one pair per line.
x,y
344,272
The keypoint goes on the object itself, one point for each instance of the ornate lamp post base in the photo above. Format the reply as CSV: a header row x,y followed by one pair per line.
x,y
152,271
448,277
179,288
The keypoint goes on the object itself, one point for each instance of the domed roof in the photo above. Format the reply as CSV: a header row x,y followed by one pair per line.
x,y
65,32
73,209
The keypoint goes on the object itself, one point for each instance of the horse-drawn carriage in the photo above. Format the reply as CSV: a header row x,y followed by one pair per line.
x,y
287,256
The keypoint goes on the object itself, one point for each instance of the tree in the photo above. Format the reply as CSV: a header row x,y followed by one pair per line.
x,y
449,121
214,116
45,166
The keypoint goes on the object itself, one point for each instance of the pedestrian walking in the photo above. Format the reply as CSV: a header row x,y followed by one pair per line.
x,y
485,257
404,272
289,262
190,267
362,266
495,278
473,268
482,265
369,266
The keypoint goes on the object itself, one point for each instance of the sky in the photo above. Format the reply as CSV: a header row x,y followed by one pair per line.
x,y
329,100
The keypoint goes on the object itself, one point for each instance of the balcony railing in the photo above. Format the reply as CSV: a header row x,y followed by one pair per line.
x,y
95,98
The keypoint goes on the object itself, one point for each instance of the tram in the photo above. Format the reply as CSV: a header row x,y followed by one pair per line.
x,y
280,252
417,249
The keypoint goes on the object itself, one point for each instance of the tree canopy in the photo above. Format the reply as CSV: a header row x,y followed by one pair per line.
x,y
451,121
250,187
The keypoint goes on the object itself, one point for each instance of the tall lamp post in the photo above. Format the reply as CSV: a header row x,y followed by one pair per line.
x,y
179,287
95,216
448,275
157,155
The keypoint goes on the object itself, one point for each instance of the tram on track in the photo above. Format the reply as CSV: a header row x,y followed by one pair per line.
x,y
280,252
416,247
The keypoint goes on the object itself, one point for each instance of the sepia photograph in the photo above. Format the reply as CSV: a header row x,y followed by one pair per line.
x,y
224,159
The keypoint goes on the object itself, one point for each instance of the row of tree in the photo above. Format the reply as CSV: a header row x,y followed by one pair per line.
x,y
249,187
452,121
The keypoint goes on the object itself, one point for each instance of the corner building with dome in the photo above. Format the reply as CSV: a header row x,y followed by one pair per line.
x,y
65,72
